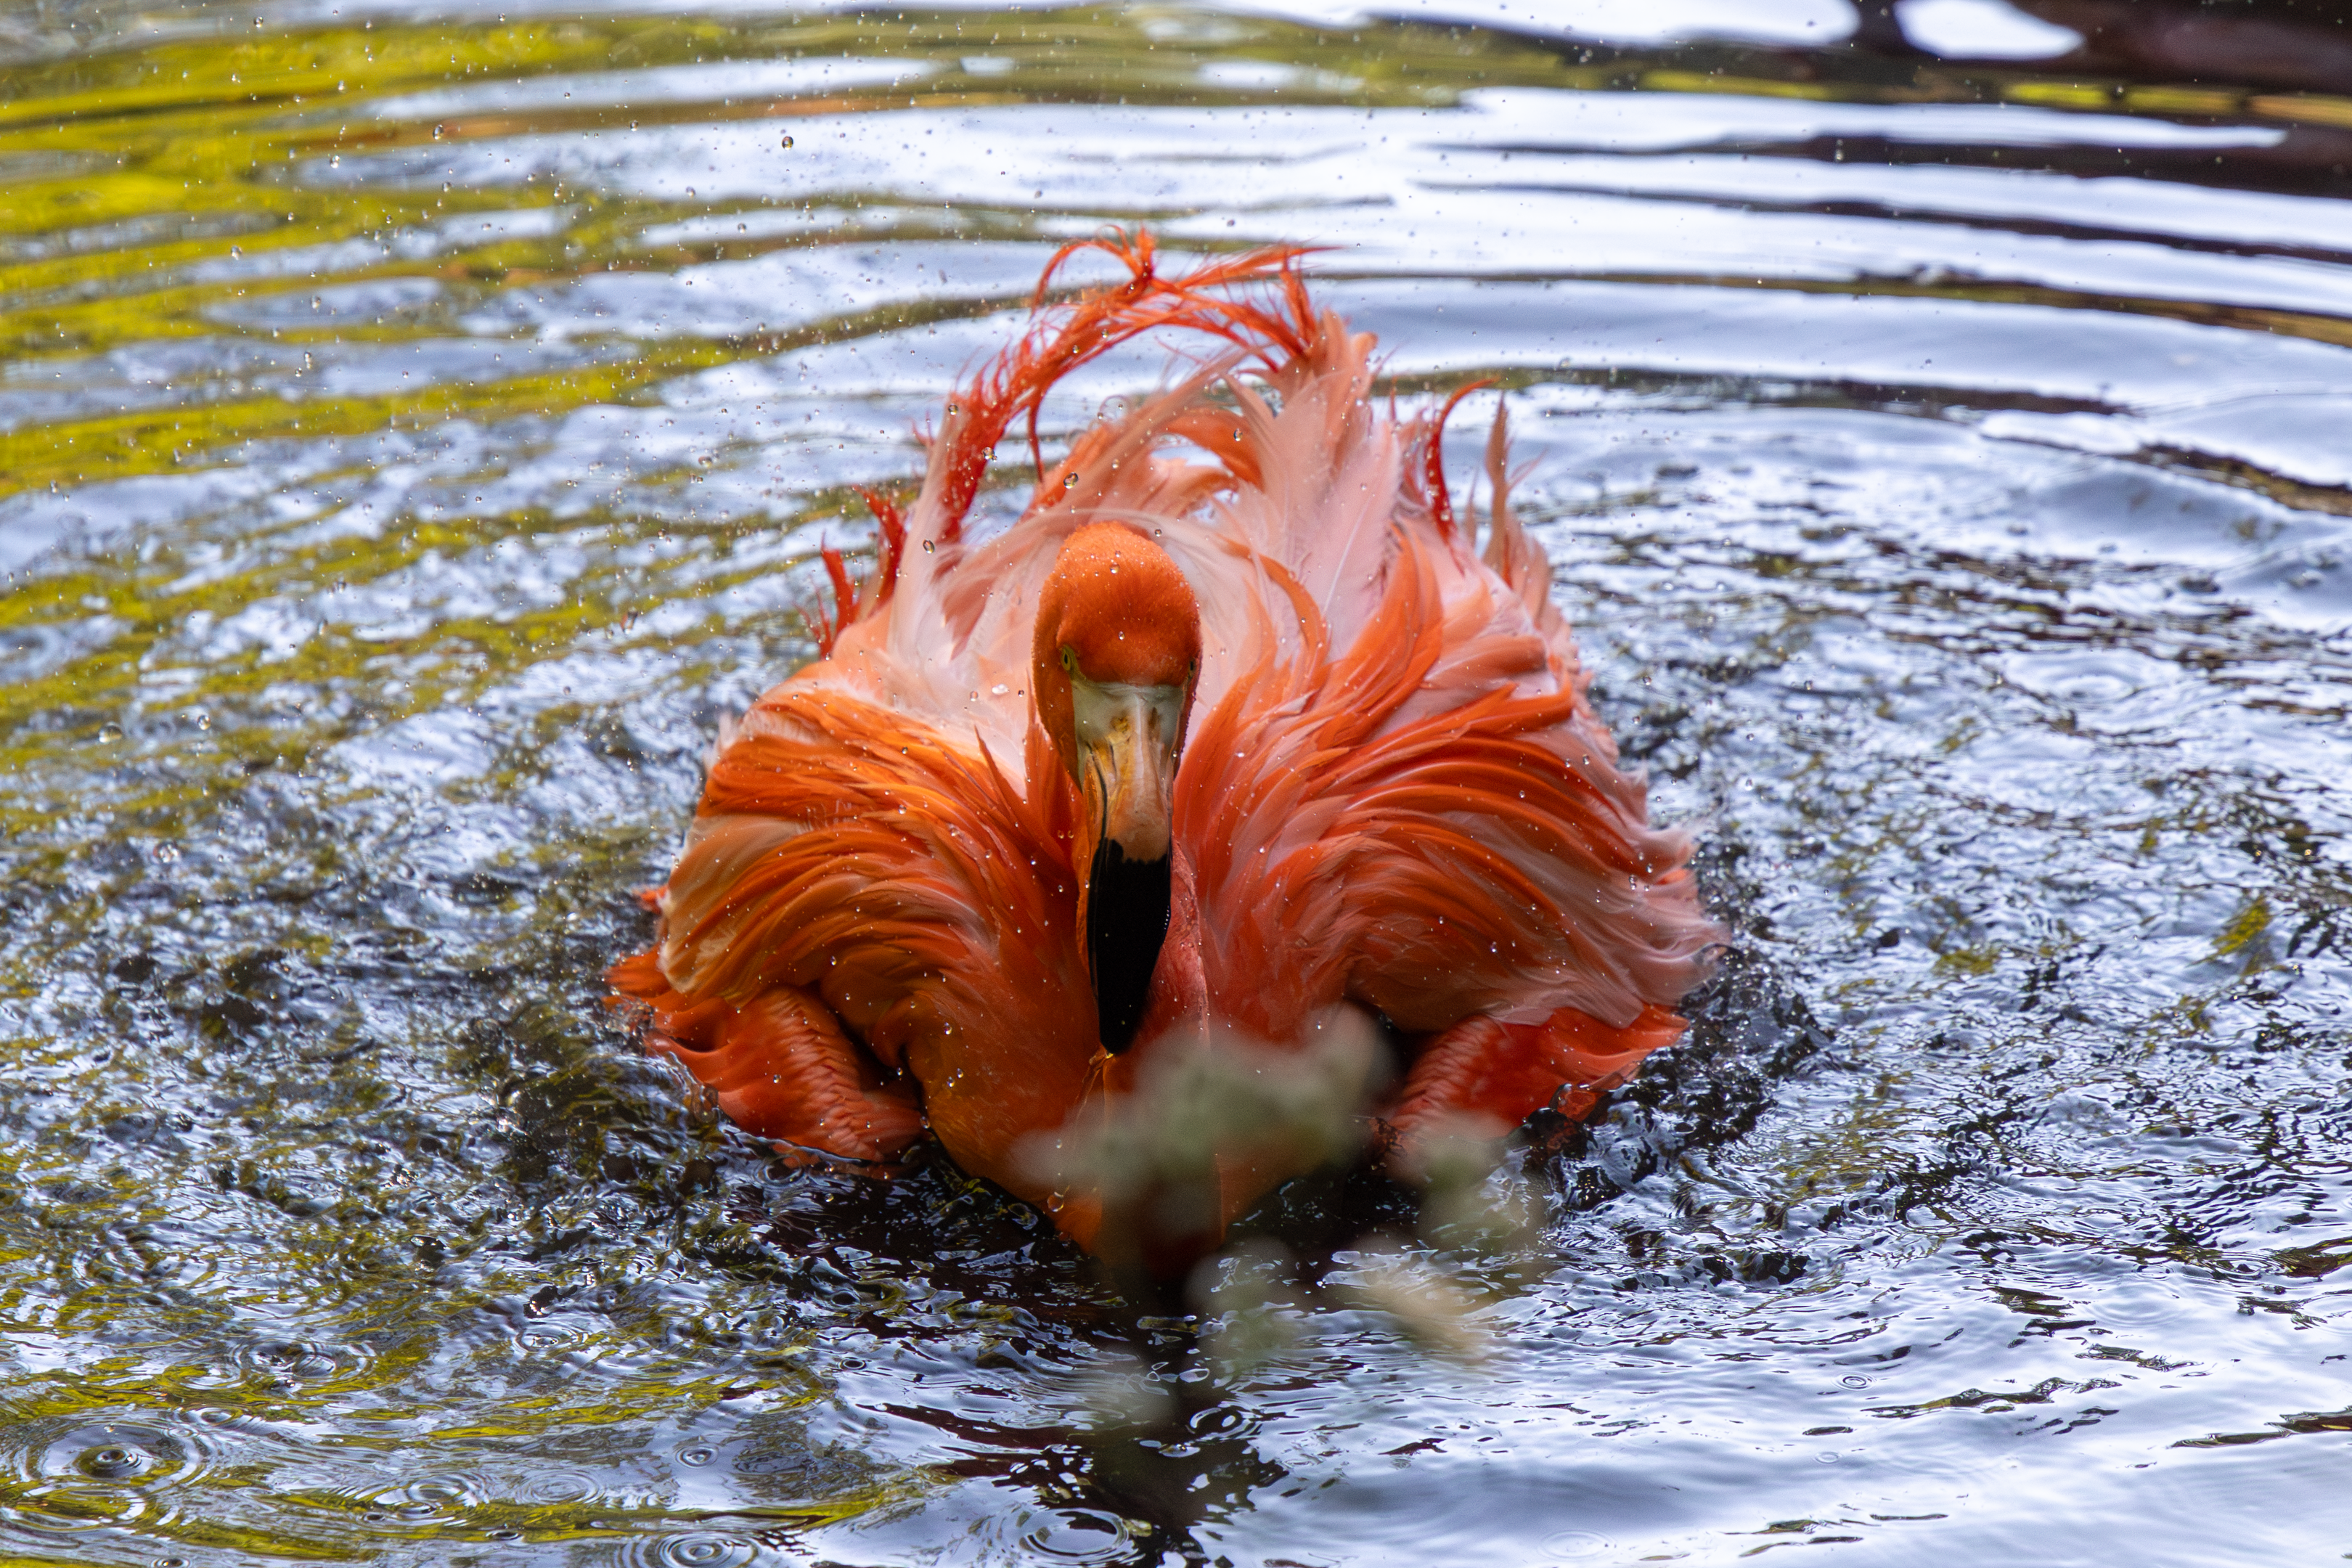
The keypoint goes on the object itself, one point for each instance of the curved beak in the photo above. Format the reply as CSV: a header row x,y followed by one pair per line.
x,y
1129,739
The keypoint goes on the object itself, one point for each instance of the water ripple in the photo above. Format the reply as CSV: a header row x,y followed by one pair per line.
x,y
418,430
144,1476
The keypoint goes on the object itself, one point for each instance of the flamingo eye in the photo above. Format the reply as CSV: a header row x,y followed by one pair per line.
x,y
1070,660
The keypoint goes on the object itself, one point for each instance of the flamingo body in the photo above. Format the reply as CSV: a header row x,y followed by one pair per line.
x,y
1393,801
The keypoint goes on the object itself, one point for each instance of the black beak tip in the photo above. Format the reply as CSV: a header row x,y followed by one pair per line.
x,y
1127,924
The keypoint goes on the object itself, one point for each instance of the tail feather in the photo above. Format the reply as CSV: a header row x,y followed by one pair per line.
x,y
1513,556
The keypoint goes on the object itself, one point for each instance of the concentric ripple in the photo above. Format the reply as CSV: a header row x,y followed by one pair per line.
x,y
1079,1536
429,1499
131,1474
547,1488
691,1549
293,1365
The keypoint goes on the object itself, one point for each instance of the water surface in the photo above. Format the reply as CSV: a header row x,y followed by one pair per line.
x,y
416,426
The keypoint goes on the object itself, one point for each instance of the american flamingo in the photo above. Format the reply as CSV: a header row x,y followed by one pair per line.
x,y
1243,755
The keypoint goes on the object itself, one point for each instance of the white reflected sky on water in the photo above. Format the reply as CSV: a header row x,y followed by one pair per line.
x,y
1982,29
709,83
1977,29
1802,23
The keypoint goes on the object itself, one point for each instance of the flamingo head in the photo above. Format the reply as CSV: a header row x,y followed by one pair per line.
x,y
1117,653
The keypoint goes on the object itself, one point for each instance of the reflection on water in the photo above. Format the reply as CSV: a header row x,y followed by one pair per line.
x,y
415,435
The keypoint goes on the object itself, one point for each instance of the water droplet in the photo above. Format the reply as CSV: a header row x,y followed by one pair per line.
x,y
788,142
114,1462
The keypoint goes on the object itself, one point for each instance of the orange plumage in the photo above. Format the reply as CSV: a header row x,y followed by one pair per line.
x,y
922,889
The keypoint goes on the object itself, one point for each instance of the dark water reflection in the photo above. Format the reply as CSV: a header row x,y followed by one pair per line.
x,y
414,435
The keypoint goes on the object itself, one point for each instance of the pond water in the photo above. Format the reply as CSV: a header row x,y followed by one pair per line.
x,y
416,423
